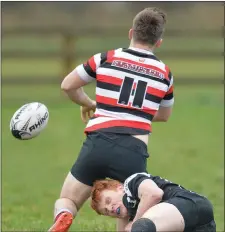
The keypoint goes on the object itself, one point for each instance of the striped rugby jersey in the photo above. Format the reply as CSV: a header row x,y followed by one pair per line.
x,y
131,85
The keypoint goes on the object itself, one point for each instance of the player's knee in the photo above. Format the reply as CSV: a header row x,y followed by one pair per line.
x,y
143,225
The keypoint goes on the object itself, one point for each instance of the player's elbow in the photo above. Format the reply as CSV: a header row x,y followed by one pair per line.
x,y
158,195
165,118
72,82
155,196
161,118
163,114
65,86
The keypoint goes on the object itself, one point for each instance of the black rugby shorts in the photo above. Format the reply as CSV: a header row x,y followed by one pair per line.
x,y
108,155
196,210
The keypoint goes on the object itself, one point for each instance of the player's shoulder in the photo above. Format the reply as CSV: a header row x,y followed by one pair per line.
x,y
167,70
114,51
132,183
136,176
109,53
164,64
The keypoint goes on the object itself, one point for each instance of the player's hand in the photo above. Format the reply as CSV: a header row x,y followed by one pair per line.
x,y
87,111
128,227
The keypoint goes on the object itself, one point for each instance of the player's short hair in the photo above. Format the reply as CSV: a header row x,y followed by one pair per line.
x,y
148,25
98,187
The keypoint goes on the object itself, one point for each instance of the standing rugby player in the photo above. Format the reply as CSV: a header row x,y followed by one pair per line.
x,y
133,88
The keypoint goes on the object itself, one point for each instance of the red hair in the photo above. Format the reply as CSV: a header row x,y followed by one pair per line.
x,y
98,187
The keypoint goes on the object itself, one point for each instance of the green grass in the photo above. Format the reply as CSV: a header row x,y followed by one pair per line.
x,y
187,149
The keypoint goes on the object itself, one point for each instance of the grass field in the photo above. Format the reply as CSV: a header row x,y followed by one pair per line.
x,y
188,149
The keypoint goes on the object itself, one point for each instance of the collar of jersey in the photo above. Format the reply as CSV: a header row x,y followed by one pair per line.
x,y
141,50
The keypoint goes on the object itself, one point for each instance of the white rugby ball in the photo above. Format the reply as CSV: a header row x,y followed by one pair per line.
x,y
29,120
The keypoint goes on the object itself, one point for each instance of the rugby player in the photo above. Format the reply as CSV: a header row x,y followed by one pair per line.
x,y
134,88
149,203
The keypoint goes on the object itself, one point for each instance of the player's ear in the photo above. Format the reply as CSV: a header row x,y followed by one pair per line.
x,y
158,43
120,187
130,35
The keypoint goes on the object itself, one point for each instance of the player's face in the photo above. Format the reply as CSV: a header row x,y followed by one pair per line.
x,y
111,203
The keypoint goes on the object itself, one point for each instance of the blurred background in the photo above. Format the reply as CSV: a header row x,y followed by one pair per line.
x,y
43,41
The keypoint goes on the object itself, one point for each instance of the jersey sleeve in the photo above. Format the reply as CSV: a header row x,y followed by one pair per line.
x,y
133,182
168,99
87,71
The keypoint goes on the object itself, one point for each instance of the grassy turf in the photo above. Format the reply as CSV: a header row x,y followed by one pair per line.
x,y
188,149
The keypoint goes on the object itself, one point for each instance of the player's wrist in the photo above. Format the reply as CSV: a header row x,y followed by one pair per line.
x,y
90,104
93,104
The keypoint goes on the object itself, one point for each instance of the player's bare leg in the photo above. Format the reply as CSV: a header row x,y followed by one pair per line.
x,y
161,217
72,197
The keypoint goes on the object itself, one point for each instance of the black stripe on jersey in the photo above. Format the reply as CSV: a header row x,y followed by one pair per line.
x,y
153,98
103,57
125,110
139,94
140,54
108,86
126,91
125,130
168,96
89,70
108,65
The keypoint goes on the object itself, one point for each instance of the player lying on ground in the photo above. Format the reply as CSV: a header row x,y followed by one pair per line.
x,y
134,88
149,203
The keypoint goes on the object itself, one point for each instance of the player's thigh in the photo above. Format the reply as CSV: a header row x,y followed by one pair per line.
x,y
209,227
196,210
166,217
75,190
91,161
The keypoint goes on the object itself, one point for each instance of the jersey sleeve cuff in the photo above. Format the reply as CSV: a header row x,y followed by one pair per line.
x,y
167,103
83,74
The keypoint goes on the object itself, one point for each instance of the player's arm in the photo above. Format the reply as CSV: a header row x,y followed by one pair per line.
x,y
72,86
79,77
121,224
166,105
149,194
163,114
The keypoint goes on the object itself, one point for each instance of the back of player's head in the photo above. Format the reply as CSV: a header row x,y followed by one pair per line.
x,y
148,26
98,187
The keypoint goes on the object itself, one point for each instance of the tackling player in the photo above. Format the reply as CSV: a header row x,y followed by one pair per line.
x,y
149,203
133,89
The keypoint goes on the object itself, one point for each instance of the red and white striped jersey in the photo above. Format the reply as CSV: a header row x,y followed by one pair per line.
x,y
131,85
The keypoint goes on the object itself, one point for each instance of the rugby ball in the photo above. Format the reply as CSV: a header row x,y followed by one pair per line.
x,y
29,120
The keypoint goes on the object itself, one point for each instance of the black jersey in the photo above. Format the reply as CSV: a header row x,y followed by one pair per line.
x,y
131,185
